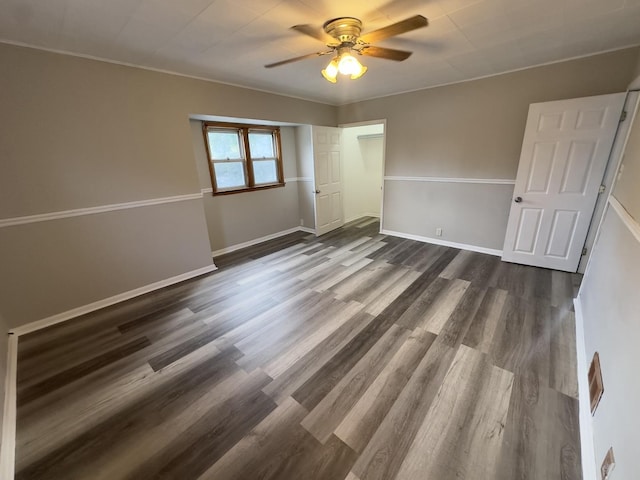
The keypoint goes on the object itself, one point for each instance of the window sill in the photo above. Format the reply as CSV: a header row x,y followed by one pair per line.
x,y
249,189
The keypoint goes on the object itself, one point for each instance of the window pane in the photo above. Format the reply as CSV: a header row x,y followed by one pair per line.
x,y
264,171
224,144
229,174
261,145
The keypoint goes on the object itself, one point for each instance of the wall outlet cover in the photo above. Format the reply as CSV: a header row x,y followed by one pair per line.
x,y
608,465
438,232
596,386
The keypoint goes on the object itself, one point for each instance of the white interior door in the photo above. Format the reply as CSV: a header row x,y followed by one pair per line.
x,y
564,154
327,160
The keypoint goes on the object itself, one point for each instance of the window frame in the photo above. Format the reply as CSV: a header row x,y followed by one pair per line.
x,y
243,131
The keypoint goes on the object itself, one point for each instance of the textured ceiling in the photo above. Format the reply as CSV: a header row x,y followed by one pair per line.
x,y
231,40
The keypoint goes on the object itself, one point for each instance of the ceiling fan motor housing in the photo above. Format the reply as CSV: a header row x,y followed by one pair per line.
x,y
344,29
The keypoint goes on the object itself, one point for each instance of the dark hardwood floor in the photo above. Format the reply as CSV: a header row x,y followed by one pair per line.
x,y
351,356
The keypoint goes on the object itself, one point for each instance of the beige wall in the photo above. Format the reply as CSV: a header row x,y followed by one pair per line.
x,y
243,217
610,305
636,82
460,209
627,189
54,266
474,130
78,133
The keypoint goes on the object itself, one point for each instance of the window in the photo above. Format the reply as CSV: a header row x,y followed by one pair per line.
x,y
243,157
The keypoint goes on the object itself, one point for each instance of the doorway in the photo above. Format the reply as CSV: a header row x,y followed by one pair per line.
x,y
363,169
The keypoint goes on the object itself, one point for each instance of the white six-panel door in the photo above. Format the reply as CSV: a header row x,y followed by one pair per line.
x,y
328,178
564,154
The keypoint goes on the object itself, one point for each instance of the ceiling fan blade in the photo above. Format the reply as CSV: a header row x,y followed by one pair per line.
x,y
387,53
297,59
412,23
314,32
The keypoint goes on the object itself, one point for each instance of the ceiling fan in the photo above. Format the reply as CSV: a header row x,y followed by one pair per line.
x,y
343,38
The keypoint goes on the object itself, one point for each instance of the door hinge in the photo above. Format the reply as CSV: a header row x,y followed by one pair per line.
x,y
602,189
584,251
623,116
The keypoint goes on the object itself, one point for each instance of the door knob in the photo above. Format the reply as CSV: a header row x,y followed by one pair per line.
x,y
517,199
316,191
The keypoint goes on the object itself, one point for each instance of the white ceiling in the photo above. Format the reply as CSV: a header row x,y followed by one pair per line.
x,y
231,40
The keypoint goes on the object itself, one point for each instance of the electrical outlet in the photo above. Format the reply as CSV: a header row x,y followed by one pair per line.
x,y
608,465
302,222
438,232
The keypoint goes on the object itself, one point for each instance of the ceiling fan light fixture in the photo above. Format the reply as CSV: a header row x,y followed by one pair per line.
x,y
348,64
362,71
331,72
345,64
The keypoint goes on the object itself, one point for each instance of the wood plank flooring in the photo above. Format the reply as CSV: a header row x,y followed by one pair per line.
x,y
351,356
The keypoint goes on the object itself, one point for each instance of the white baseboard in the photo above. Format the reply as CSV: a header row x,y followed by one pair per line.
x,y
256,241
589,469
445,243
76,312
8,447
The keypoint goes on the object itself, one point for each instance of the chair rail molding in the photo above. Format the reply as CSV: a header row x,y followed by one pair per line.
x,y
77,212
491,181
